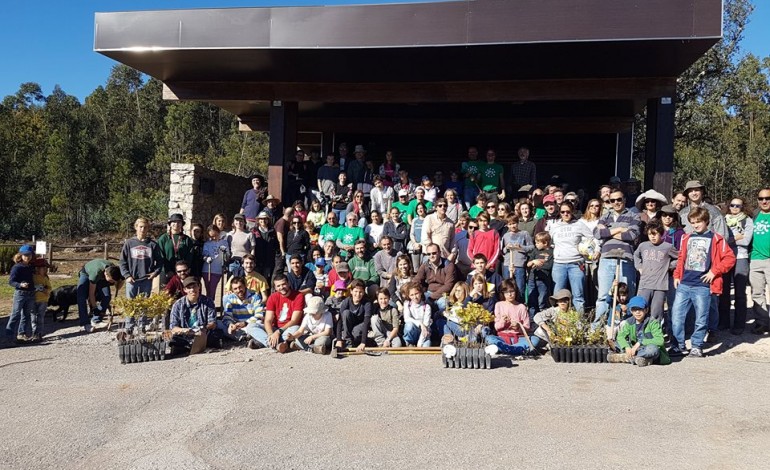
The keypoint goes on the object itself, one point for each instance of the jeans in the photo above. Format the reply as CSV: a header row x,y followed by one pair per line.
x,y
257,331
320,341
38,318
738,276
571,274
469,194
438,305
759,278
654,299
514,349
103,297
237,335
520,277
698,297
538,296
139,287
714,313
412,335
606,274
340,213
21,313
447,327
381,333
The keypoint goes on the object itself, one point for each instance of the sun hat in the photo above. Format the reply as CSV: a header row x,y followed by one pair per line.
x,y
650,194
176,218
693,184
560,294
272,198
315,305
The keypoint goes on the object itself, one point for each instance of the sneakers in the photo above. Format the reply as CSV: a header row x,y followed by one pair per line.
x,y
642,361
283,347
88,328
254,344
675,351
322,349
711,337
759,330
618,358
23,339
696,352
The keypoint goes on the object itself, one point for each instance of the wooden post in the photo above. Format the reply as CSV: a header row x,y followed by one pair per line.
x,y
50,254
659,158
106,249
283,144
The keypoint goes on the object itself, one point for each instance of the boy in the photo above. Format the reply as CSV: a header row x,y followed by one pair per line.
x,y
640,340
355,318
540,263
704,257
654,259
321,278
516,245
480,267
42,292
314,333
386,321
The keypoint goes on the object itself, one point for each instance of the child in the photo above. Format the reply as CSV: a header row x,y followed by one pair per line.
x,y
338,294
480,267
314,333
321,278
480,293
355,318
655,259
316,214
516,245
417,318
315,253
340,272
704,257
42,292
215,251
561,302
511,322
540,263
456,300
386,321
21,279
621,295
640,341
310,229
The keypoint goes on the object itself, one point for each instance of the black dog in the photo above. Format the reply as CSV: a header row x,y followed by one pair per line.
x,y
63,297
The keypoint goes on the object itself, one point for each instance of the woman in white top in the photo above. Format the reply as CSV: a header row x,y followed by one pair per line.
x,y
567,271
374,230
453,206
381,196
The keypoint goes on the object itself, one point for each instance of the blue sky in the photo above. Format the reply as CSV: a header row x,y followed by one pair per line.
x,y
50,43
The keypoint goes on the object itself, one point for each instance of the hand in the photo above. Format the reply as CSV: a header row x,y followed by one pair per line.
x,y
502,194
209,259
676,283
509,246
708,277
361,347
539,263
630,352
601,226
231,328
386,343
530,264
309,340
274,339
424,330
152,276
24,285
130,280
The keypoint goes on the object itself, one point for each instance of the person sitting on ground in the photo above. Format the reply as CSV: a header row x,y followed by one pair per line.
x,y
283,315
561,303
300,278
254,281
511,322
480,293
240,307
449,322
193,316
175,286
417,317
340,272
386,321
336,297
314,333
355,318
640,341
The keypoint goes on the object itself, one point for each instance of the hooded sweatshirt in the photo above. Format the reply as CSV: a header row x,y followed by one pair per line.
x,y
140,258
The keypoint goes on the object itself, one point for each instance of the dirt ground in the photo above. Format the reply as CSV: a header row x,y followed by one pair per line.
x,y
69,403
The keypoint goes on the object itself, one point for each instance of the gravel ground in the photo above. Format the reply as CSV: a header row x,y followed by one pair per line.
x,y
70,404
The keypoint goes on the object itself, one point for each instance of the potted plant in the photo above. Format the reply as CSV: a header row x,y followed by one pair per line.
x,y
574,340
144,344
468,352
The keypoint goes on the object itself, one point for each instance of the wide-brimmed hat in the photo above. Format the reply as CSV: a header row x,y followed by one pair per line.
x,y
264,215
315,305
560,294
359,148
176,218
270,197
693,184
650,194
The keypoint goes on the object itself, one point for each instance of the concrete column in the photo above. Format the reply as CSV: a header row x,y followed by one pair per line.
x,y
283,144
659,158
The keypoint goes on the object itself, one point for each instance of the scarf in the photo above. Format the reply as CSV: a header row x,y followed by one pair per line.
x,y
734,220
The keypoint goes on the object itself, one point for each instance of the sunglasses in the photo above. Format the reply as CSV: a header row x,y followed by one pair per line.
x,y
616,200
440,205
491,206
566,212
763,199
183,271
472,227
296,222
571,200
667,215
738,205
650,201
431,253
594,205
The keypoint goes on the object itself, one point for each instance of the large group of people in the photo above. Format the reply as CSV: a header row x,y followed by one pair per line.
x,y
363,254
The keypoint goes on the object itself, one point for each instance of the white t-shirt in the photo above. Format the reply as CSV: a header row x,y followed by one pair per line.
x,y
316,326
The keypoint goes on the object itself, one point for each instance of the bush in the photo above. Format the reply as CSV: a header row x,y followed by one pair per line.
x,y
6,258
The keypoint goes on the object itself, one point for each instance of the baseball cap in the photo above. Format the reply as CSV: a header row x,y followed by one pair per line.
x,y
343,267
190,280
637,302
403,192
320,262
549,198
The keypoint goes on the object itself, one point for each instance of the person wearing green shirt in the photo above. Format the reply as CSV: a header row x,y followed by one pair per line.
x,y
402,204
481,202
94,283
759,267
492,181
349,235
175,246
419,197
471,170
330,230
363,268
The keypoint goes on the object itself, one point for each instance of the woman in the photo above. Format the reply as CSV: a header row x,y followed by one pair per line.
x,y
485,241
566,234
360,207
265,245
374,231
341,195
499,222
672,233
742,229
415,234
297,241
527,220
389,169
198,239
241,242
381,196
397,230
649,203
316,213
402,275
221,222
453,206
590,248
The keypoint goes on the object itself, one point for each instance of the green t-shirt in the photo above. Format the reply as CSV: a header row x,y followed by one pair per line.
x,y
329,233
95,269
475,210
539,213
761,241
402,208
412,209
349,235
473,168
490,176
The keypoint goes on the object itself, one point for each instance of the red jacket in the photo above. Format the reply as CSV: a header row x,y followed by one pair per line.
x,y
722,260
487,243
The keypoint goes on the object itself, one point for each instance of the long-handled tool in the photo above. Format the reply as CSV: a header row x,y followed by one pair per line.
x,y
408,350
526,336
618,253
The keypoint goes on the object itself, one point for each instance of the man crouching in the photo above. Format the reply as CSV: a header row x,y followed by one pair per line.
x,y
194,321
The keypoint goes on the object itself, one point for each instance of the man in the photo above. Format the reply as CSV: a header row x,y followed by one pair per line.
x,y
95,279
363,268
175,286
604,195
140,260
271,207
254,281
679,201
439,229
296,172
524,172
344,158
283,316
437,276
619,232
385,260
471,172
252,200
281,227
300,278
175,246
558,196
695,191
402,205
193,317
238,308
396,229
633,187
327,176
492,181
405,184
357,167
759,267
550,217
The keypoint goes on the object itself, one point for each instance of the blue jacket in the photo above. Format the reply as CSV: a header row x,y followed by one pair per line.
x,y
22,273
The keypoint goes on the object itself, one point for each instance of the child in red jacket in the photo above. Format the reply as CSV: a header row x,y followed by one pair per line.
x,y
704,257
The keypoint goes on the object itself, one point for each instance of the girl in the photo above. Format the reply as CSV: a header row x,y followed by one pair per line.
x,y
456,300
485,241
198,239
479,293
42,291
511,322
215,252
453,206
742,229
21,279
402,276
241,243
221,222
389,169
415,234
527,218
417,317
316,213
299,210
374,231
312,233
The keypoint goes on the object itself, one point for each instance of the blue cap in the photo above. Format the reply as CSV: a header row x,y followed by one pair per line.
x,y
637,302
320,262
26,250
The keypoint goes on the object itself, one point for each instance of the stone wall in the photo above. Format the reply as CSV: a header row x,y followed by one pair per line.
x,y
198,193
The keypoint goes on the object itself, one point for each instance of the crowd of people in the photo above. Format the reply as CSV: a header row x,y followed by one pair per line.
x,y
363,254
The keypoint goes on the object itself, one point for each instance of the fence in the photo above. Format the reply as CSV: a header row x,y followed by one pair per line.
x,y
57,253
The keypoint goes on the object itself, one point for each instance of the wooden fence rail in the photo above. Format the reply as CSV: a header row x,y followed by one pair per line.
x,y
106,248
